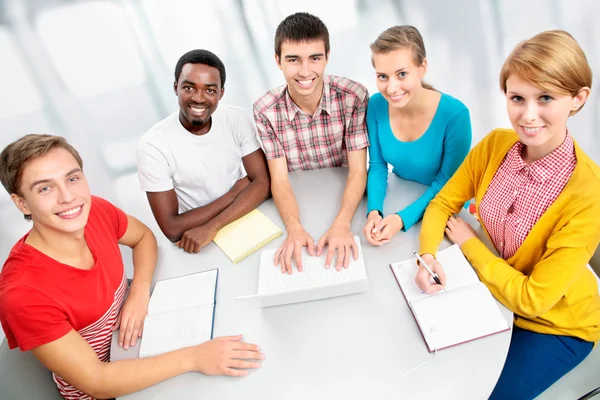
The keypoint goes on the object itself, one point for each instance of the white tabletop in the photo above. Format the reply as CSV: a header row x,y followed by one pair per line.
x,y
350,347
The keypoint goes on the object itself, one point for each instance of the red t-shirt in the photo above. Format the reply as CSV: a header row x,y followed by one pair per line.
x,y
41,299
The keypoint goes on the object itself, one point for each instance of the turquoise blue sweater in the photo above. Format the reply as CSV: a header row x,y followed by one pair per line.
x,y
430,160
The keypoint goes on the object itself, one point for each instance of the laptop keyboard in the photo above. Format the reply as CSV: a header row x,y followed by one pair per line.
x,y
313,274
310,276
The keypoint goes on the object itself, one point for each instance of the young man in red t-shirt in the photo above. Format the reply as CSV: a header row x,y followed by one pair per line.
x,y
63,284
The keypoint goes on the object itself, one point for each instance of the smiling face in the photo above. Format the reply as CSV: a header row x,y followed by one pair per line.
x,y
55,192
199,91
539,117
398,77
303,65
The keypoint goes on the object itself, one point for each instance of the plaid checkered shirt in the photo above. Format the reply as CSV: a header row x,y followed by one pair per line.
x,y
519,194
318,141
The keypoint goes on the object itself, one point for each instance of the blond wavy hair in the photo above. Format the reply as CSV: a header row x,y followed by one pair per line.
x,y
552,61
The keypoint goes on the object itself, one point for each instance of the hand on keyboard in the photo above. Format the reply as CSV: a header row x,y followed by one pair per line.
x,y
340,238
292,247
271,280
314,275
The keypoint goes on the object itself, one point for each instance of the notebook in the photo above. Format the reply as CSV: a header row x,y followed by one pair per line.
x,y
464,311
314,282
180,313
244,236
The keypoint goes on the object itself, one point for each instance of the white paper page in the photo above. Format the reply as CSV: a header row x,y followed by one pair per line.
x,y
184,291
405,273
459,273
271,279
458,316
176,329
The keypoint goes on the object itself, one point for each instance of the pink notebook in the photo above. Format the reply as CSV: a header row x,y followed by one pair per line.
x,y
464,311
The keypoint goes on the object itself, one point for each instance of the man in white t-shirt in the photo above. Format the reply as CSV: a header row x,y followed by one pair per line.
x,y
190,163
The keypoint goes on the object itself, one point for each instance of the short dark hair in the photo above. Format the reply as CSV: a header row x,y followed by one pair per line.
x,y
301,27
200,57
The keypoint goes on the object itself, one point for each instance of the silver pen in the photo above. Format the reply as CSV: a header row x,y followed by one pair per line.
x,y
433,274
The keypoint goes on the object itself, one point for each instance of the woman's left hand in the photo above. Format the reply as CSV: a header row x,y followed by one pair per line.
x,y
385,230
459,231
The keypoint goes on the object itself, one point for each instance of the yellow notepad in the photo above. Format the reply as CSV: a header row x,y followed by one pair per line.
x,y
241,238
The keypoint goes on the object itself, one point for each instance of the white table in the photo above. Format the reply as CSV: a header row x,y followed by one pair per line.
x,y
350,347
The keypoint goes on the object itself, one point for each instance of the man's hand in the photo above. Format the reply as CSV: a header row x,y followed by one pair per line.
x,y
292,248
132,315
425,281
338,237
196,238
226,355
372,220
387,228
459,231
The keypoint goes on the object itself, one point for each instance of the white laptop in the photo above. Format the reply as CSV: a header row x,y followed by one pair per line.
x,y
313,283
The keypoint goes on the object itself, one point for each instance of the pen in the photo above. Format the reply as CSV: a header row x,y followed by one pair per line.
x,y
433,274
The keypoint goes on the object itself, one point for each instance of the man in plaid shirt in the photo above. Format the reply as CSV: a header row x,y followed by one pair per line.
x,y
314,121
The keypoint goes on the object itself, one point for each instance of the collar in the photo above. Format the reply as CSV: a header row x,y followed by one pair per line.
x,y
542,169
324,105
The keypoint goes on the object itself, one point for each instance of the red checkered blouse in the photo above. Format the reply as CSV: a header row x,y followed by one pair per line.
x,y
314,141
519,194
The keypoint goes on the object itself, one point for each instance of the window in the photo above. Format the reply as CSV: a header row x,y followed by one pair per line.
x,y
19,92
91,46
180,26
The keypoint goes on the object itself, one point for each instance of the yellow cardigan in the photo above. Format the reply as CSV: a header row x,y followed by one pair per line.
x,y
546,283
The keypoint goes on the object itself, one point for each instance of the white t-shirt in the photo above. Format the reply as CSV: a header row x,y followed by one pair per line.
x,y
200,168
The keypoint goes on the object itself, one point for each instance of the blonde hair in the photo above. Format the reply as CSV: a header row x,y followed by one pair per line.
x,y
402,37
552,61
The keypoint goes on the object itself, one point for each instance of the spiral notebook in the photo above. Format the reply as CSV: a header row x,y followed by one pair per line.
x,y
464,311
244,236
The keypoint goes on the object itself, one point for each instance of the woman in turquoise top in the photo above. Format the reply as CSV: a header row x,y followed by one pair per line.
x,y
424,134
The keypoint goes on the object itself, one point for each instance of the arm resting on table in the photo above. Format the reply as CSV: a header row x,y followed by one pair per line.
x,y
355,186
74,360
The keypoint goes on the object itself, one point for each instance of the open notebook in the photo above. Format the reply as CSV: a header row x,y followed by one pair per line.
x,y
464,311
180,313
244,236
313,283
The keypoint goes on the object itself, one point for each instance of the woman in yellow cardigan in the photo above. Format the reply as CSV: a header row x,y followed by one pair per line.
x,y
538,197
